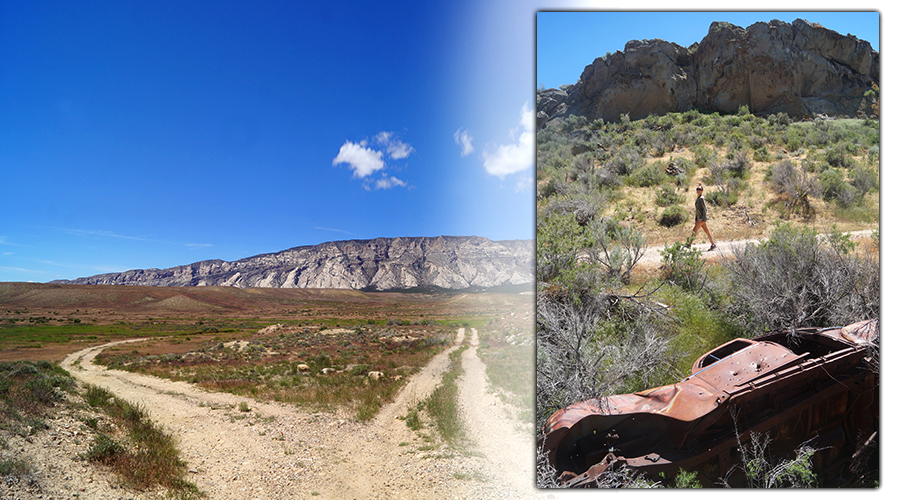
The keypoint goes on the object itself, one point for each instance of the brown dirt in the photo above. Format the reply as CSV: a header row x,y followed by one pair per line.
x,y
278,451
724,250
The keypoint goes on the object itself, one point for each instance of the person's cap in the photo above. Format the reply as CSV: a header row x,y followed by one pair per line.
x,y
699,188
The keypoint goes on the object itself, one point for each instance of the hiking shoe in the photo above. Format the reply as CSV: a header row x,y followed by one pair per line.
x,y
713,247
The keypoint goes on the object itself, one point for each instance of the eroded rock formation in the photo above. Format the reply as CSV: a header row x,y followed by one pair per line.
x,y
801,69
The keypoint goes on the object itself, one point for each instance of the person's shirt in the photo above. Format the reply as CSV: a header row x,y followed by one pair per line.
x,y
700,206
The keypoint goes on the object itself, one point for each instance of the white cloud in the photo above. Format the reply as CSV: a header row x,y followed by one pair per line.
x,y
525,184
361,159
365,160
464,140
395,148
504,159
389,182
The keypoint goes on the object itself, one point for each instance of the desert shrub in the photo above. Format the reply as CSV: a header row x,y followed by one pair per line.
x,y
864,180
683,266
779,120
597,124
673,216
762,470
762,154
873,155
739,165
667,196
553,187
795,184
584,208
794,280
582,353
686,479
580,168
573,122
835,188
792,139
29,388
661,143
648,175
724,197
12,467
614,248
838,156
625,160
103,449
703,156
607,178
559,239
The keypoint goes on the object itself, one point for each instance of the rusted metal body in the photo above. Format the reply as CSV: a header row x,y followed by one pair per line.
x,y
813,385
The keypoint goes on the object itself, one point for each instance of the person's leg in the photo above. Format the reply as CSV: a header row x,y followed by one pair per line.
x,y
694,233
712,244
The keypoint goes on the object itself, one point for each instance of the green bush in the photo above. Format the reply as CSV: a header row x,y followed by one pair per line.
x,y
682,265
625,160
667,196
104,449
648,175
762,154
864,180
673,216
703,156
722,198
838,156
835,188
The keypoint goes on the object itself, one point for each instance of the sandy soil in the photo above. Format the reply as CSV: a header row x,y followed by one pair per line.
x,y
276,451
723,250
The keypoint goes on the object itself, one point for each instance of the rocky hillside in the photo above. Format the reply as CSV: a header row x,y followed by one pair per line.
x,y
448,262
801,69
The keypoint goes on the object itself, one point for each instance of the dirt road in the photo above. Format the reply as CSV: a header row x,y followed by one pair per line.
x,y
275,451
723,250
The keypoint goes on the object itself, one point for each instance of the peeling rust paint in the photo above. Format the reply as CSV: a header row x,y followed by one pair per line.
x,y
809,384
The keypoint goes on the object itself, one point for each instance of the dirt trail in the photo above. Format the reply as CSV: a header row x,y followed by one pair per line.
x,y
277,451
506,444
723,250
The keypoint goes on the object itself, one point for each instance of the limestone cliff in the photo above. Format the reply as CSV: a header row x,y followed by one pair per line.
x,y
447,262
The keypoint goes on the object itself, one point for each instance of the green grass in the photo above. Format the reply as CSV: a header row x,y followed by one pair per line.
x,y
412,418
699,328
442,404
510,369
141,453
28,389
14,467
251,372
144,455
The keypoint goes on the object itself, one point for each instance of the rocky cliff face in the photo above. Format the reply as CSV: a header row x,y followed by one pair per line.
x,y
801,69
381,264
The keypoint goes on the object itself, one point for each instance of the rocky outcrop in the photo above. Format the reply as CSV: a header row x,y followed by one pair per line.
x,y
446,262
801,69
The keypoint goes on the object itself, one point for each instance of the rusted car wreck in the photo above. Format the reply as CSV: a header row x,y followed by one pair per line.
x,y
812,384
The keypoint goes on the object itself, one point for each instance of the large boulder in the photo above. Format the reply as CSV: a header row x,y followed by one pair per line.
x,y
801,68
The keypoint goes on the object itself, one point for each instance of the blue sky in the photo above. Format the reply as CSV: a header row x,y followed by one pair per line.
x,y
155,134
567,41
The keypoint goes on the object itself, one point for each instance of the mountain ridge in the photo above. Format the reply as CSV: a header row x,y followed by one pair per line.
x,y
379,264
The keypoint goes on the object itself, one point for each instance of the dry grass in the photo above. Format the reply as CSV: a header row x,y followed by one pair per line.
x,y
138,450
266,366
753,216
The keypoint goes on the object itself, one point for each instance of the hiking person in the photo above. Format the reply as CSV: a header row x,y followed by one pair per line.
x,y
700,218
